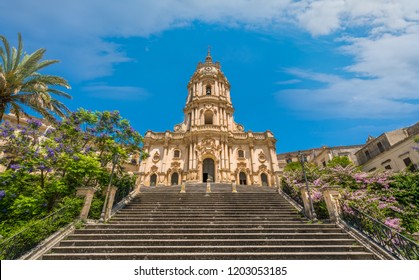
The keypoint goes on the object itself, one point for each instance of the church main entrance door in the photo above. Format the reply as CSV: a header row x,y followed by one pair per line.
x,y
242,178
208,169
175,179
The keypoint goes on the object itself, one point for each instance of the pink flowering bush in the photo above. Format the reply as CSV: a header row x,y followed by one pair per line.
x,y
390,198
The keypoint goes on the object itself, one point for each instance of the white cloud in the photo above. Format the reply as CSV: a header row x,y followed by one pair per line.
x,y
116,92
77,30
382,80
381,35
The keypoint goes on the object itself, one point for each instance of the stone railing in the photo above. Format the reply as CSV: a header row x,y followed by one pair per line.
x,y
240,135
383,241
209,127
259,136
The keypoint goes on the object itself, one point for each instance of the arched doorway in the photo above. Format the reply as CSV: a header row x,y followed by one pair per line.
x,y
153,180
242,178
175,179
208,170
264,179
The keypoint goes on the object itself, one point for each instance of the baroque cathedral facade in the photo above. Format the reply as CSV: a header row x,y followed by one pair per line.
x,y
209,145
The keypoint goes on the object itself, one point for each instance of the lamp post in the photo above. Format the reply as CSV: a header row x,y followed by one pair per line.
x,y
114,161
313,213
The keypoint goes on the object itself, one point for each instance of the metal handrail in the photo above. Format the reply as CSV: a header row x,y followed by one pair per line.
x,y
387,238
26,239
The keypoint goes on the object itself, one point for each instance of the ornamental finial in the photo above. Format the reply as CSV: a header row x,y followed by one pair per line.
x,y
209,58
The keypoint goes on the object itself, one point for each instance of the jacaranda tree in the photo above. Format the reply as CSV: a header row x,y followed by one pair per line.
x,y
46,166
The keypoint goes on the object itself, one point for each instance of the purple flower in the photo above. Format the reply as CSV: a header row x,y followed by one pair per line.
x,y
393,223
15,166
396,209
317,182
76,158
382,205
50,152
34,123
348,210
317,196
2,194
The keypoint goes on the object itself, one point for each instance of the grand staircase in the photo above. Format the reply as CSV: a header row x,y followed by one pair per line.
x,y
254,223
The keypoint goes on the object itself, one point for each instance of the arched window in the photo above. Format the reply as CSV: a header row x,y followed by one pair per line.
x,y
176,154
208,117
240,153
208,90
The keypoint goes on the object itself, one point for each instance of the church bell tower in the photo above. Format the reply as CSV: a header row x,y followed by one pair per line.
x,y
209,146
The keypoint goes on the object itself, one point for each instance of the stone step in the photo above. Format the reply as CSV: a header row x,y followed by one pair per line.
x,y
209,219
213,256
163,226
297,235
207,230
207,249
185,208
204,242
206,215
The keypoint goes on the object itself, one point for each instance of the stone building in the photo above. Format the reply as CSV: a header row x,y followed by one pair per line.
x,y
393,150
320,156
209,144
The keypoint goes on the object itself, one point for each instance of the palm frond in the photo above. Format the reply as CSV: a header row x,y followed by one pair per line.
x,y
59,93
46,63
22,86
30,64
47,79
19,52
7,56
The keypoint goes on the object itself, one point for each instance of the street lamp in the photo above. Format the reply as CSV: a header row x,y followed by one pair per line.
x,y
114,162
313,213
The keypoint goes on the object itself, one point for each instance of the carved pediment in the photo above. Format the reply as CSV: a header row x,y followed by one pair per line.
x,y
263,167
208,146
241,165
175,165
153,169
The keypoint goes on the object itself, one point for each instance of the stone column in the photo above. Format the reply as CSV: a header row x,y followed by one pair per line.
x,y
230,163
306,202
193,156
252,163
190,157
88,194
228,157
111,199
331,197
272,155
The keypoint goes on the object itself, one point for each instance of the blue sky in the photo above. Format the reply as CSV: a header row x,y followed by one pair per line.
x,y
326,72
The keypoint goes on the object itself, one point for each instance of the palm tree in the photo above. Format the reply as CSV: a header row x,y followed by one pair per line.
x,y
22,85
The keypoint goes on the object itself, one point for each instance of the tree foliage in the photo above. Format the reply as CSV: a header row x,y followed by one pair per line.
x,y
47,166
22,85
